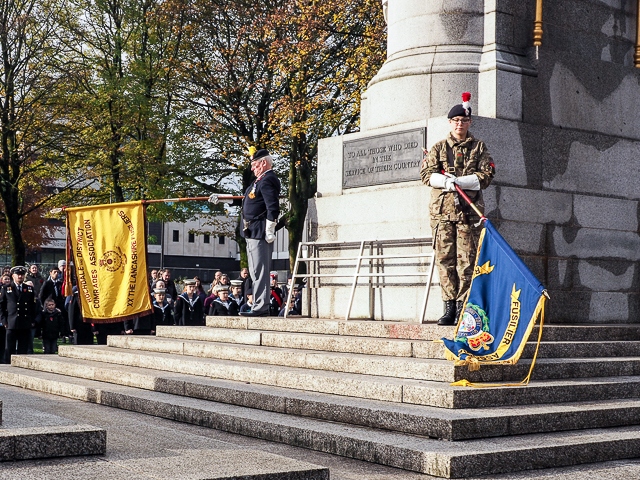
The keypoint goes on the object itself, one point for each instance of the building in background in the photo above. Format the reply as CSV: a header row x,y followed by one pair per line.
x,y
179,246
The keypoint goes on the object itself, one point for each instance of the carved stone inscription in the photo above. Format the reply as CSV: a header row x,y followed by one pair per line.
x,y
383,159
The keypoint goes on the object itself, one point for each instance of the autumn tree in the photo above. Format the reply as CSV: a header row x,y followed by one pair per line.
x,y
281,78
324,53
33,109
123,53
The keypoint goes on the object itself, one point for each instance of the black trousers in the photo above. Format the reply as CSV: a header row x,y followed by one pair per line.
x,y
19,337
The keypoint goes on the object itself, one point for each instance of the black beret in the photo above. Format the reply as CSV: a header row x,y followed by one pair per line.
x,y
462,109
263,152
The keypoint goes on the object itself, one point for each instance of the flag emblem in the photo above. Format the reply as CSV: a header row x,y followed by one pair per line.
x,y
113,261
474,328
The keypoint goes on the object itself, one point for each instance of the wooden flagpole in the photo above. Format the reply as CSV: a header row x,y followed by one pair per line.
x,y
168,200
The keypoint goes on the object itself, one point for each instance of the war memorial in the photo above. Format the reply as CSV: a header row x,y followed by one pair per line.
x,y
367,393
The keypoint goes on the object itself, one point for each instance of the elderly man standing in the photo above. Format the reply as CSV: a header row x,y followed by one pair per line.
x,y
18,313
260,211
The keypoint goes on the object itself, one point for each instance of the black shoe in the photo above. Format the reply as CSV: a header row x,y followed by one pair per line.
x,y
449,317
251,313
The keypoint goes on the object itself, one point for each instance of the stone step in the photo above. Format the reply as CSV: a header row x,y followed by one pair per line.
x,y
426,421
29,443
399,367
411,452
402,367
415,331
352,385
386,346
559,349
438,394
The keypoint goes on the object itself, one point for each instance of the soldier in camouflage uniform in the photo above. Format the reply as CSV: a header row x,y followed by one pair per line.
x,y
463,160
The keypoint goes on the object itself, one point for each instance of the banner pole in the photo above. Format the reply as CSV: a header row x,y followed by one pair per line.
x,y
468,200
167,200
190,199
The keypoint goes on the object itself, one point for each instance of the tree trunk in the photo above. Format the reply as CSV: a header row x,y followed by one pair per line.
x,y
12,215
300,190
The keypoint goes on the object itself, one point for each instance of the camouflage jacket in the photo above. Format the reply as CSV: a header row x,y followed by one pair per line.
x,y
470,156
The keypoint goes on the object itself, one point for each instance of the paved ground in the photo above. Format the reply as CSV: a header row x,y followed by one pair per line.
x,y
143,447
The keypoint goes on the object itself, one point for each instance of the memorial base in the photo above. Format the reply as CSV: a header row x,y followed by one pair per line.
x,y
559,216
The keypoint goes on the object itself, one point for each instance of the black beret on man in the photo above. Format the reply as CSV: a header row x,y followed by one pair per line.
x,y
261,153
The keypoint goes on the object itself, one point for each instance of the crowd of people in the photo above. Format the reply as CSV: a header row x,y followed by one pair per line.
x,y
223,297
34,306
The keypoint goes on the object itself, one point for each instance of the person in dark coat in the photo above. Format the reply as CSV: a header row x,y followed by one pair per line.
x,y
103,330
18,313
169,285
162,310
223,306
52,324
81,331
236,292
34,276
144,325
260,212
276,300
189,309
52,288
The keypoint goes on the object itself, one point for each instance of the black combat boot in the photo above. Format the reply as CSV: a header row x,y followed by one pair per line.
x,y
459,308
449,317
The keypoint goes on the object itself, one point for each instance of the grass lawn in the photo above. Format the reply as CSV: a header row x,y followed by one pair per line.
x,y
37,344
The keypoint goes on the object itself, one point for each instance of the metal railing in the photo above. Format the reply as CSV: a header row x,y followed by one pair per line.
x,y
375,259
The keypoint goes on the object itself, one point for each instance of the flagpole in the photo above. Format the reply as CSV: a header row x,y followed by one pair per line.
x,y
168,200
468,200
190,199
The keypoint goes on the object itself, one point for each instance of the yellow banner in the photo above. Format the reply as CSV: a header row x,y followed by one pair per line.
x,y
108,250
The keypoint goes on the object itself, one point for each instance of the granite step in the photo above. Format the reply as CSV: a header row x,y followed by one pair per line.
x,y
411,452
368,364
548,349
414,331
28,443
399,367
419,392
431,422
386,346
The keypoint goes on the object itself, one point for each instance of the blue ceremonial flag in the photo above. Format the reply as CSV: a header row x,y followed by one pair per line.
x,y
503,304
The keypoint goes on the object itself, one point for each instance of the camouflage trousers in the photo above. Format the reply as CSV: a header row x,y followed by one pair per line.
x,y
456,245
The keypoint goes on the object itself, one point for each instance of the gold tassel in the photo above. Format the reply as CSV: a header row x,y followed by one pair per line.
x,y
474,364
461,383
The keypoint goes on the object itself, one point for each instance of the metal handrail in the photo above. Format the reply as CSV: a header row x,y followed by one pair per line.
x,y
359,258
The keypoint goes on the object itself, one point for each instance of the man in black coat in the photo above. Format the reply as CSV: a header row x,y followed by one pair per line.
x,y
169,285
52,288
18,313
260,211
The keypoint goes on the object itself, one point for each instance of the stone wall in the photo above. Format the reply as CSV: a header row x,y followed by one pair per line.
x,y
560,121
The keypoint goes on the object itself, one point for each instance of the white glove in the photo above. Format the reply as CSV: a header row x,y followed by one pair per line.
x,y
436,180
469,182
450,184
270,233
